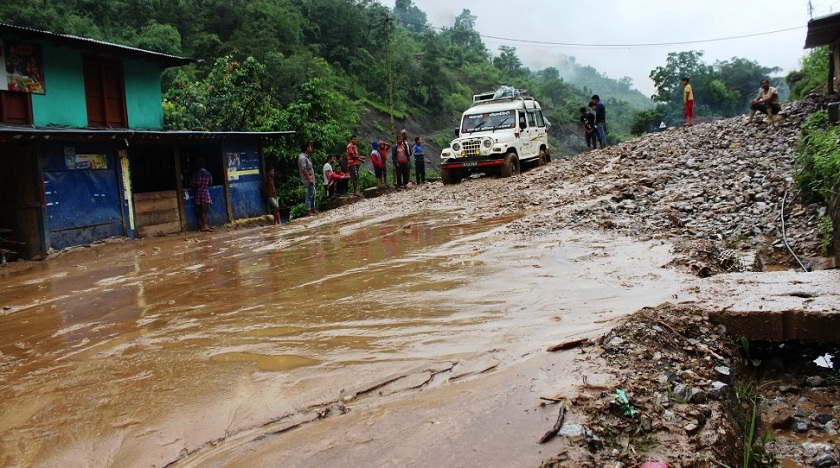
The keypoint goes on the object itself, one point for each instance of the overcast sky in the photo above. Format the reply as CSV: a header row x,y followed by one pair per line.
x,y
623,24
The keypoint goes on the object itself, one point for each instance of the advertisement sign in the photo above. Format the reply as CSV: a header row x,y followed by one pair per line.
x,y
23,69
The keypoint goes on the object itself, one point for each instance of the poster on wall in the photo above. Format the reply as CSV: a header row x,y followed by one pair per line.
x,y
74,161
241,164
23,69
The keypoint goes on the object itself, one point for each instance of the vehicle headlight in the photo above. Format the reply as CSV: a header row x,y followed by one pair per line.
x,y
487,143
456,147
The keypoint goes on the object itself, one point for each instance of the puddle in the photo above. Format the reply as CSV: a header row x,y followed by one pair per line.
x,y
122,344
267,363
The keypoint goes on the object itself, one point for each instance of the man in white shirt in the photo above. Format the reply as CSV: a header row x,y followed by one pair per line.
x,y
328,187
767,102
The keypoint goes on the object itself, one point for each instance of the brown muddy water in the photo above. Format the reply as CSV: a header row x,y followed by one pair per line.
x,y
151,352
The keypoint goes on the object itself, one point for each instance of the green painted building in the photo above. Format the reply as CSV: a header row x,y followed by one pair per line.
x,y
85,153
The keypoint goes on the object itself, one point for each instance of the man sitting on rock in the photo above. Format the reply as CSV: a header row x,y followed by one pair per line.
x,y
767,102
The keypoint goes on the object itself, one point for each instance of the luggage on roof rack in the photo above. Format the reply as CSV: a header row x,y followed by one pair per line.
x,y
501,94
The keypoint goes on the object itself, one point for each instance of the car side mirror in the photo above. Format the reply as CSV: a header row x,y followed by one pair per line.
x,y
522,125
457,132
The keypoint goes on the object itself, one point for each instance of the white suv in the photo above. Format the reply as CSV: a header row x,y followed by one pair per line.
x,y
499,132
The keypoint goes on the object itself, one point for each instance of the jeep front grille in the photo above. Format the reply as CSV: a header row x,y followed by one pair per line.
x,y
471,147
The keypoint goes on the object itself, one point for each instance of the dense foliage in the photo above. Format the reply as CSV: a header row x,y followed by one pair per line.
x,y
723,89
814,73
818,158
320,67
818,168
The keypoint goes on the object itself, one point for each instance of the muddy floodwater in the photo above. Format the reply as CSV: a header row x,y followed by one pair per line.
x,y
162,351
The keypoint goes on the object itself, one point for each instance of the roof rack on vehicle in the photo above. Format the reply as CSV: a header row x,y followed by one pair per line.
x,y
504,93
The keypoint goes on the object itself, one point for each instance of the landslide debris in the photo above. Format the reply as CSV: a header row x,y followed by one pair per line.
x,y
716,190
722,193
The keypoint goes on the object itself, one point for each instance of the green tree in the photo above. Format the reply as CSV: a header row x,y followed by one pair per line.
x,y
743,76
271,26
318,114
411,17
508,63
813,74
464,42
678,64
646,121
232,98
160,38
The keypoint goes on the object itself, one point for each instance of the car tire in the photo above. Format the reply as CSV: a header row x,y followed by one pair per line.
x,y
545,157
450,176
510,166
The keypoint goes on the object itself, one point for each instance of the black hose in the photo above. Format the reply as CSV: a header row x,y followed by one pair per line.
x,y
784,234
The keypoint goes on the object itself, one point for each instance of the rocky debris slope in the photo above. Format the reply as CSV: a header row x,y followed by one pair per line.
x,y
722,193
671,364
690,392
715,189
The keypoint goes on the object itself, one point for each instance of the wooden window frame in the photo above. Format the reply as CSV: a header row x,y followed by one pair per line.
x,y
5,114
112,117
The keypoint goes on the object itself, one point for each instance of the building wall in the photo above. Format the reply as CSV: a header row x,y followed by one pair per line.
x,y
82,193
64,101
143,99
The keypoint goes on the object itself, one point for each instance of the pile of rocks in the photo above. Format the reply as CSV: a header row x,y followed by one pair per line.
x,y
672,365
711,187
726,183
686,407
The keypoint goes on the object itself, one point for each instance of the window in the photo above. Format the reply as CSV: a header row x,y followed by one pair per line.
x,y
532,119
540,120
104,94
15,108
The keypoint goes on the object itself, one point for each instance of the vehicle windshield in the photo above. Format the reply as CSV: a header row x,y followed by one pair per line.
x,y
472,123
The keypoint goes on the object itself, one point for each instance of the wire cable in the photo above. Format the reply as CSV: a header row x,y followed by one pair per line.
x,y
575,44
784,234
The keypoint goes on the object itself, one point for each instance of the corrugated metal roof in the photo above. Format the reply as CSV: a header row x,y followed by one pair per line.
x,y
164,60
18,133
823,31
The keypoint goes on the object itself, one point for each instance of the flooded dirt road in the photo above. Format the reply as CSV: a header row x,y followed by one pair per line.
x,y
185,349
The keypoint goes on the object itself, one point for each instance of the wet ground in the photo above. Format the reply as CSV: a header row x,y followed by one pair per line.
x,y
409,329
188,348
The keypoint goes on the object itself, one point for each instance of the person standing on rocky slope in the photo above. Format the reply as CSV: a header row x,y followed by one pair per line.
x,y
767,102
307,175
688,98
587,120
354,159
600,119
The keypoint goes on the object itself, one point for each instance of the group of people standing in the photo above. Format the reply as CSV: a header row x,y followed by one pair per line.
x,y
594,123
337,179
402,152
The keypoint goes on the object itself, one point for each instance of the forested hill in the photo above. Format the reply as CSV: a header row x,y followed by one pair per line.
x,y
330,68
357,51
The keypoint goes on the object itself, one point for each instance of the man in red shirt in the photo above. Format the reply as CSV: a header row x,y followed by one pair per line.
x,y
353,161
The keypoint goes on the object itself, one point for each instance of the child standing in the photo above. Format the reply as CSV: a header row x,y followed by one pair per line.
x,y
378,163
587,120
419,161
